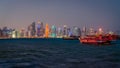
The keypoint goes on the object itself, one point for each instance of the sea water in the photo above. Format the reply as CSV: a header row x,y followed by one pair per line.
x,y
57,53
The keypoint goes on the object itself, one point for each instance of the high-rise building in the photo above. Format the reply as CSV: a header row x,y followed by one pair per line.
x,y
76,31
10,32
22,33
47,30
33,29
29,31
84,31
69,32
92,31
38,28
65,33
5,31
1,32
42,30
15,34
53,31
59,33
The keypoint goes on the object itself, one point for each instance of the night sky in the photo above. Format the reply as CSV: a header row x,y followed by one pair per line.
x,y
90,13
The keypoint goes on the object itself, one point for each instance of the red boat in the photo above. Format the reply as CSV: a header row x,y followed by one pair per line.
x,y
96,40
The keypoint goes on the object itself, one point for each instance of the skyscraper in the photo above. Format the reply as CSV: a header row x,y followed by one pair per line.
x,y
15,34
5,31
76,31
69,32
0,32
65,31
33,29
91,31
29,31
22,33
84,31
10,32
42,30
47,30
59,33
53,31
38,28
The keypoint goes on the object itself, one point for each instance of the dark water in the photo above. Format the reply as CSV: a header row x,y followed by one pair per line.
x,y
57,53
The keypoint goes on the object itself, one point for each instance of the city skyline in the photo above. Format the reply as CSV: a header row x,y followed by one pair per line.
x,y
20,13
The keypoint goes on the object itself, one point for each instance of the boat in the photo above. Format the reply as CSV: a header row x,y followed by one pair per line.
x,y
95,40
70,38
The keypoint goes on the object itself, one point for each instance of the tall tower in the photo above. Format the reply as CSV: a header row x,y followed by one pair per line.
x,y
47,30
5,31
65,31
22,32
91,31
84,31
38,28
59,33
0,32
69,32
76,31
33,29
42,30
53,31
29,31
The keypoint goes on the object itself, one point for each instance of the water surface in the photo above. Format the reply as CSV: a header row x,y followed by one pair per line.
x,y
57,53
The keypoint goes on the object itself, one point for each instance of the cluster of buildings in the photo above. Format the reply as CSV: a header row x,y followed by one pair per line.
x,y
41,30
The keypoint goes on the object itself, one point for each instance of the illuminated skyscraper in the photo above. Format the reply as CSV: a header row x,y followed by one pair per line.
x,y
10,32
84,31
0,32
33,29
76,31
29,31
69,32
59,33
22,33
15,34
65,31
92,31
18,34
38,28
53,31
47,30
42,30
5,32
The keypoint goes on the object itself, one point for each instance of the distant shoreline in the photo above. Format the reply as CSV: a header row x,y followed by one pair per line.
x,y
39,38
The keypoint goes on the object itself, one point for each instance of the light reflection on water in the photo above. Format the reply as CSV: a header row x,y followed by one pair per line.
x,y
57,53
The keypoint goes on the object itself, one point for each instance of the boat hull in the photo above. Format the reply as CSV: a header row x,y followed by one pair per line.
x,y
86,41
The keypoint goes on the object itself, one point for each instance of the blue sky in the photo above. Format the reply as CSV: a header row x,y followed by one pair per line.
x,y
89,13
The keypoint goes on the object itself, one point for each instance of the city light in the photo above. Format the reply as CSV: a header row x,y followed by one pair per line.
x,y
37,30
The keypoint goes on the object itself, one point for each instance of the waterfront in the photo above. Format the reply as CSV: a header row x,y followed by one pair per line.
x,y
57,53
